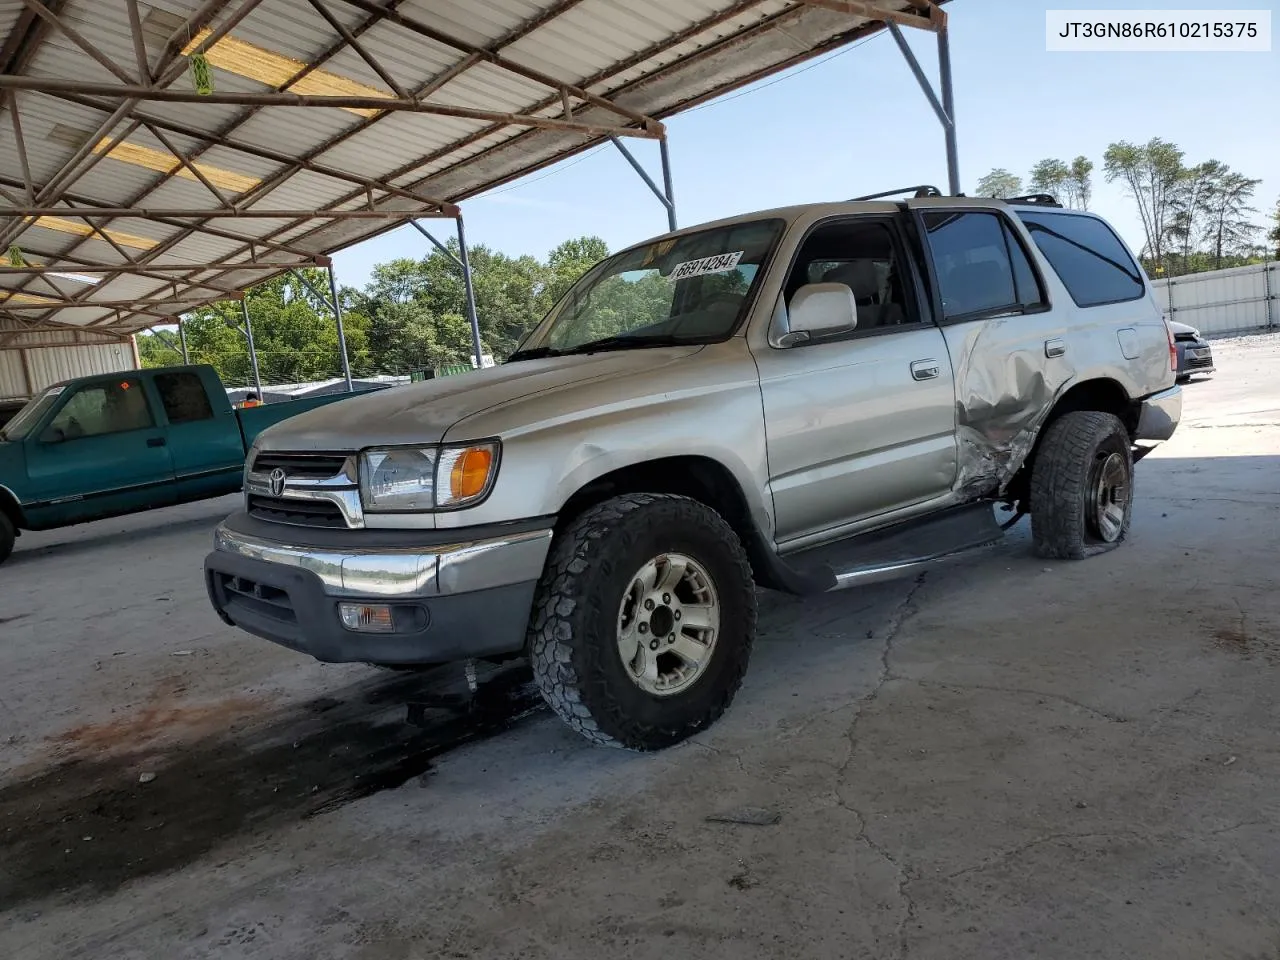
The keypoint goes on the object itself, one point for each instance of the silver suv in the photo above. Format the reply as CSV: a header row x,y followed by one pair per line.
x,y
806,399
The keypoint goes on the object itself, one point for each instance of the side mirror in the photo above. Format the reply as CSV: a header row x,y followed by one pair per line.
x,y
820,310
52,435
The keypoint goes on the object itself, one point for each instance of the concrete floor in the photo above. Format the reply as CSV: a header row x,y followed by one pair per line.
x,y
1007,758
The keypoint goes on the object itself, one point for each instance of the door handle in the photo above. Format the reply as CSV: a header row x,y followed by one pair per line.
x,y
924,370
155,441
1055,347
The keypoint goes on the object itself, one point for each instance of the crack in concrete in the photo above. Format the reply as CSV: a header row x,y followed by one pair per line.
x,y
1061,698
897,619
998,858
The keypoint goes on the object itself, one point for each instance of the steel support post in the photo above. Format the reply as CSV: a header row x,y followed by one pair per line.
x,y
342,336
666,183
253,352
472,316
949,105
665,194
182,338
944,108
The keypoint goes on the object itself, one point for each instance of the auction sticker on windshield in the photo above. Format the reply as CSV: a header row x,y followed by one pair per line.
x,y
720,263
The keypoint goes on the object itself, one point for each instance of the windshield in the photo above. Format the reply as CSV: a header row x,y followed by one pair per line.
x,y
690,289
26,418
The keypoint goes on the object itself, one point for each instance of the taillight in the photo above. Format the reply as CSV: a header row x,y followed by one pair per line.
x,y
1173,350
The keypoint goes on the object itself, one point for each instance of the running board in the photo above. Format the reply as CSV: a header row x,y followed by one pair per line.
x,y
861,576
899,551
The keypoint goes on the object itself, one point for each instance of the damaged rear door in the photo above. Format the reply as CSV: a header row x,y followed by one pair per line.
x,y
1011,352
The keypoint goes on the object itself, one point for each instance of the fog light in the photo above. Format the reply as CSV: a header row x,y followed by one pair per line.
x,y
366,617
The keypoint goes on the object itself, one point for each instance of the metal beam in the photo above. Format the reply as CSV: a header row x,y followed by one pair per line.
x,y
652,127
355,45
232,213
149,268
872,11
74,35
133,92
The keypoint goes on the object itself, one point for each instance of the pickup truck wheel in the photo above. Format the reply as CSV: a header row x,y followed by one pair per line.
x,y
1082,486
643,621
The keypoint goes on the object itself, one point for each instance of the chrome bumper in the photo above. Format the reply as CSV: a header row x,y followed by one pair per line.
x,y
460,567
1160,414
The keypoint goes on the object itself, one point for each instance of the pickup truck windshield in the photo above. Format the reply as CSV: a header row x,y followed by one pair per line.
x,y
26,418
690,289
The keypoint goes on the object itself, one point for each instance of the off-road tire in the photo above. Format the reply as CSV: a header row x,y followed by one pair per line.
x,y
7,536
1062,484
573,630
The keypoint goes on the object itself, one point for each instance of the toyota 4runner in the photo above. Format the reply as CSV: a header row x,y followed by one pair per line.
x,y
806,399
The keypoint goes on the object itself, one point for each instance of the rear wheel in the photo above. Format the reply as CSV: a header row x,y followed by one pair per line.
x,y
7,535
643,621
1082,486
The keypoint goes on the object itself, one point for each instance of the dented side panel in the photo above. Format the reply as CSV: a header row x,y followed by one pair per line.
x,y
1010,371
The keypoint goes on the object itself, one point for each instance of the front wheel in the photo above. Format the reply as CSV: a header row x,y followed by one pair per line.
x,y
643,621
1082,486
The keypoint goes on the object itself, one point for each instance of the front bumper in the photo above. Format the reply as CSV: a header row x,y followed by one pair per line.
x,y
1194,357
1159,415
450,599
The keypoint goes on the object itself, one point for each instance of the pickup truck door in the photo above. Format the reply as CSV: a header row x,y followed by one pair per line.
x,y
204,439
1010,351
101,453
862,424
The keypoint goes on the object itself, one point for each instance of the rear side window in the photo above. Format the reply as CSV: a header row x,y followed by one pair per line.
x,y
1094,266
981,265
184,397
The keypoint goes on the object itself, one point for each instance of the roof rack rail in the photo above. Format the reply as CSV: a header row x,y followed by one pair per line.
x,y
923,190
1035,199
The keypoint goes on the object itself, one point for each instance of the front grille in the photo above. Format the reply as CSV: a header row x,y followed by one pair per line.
x,y
302,513
261,598
1195,363
301,466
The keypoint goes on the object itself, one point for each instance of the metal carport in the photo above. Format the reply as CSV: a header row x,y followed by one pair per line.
x,y
159,156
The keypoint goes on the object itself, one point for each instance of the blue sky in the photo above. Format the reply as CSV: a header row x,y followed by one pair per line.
x,y
857,123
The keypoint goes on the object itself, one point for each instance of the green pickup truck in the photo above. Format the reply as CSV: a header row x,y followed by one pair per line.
x,y
124,442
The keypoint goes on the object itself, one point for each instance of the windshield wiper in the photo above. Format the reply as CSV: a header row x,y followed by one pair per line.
x,y
534,353
624,341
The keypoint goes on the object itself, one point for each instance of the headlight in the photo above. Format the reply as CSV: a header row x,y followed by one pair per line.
x,y
426,478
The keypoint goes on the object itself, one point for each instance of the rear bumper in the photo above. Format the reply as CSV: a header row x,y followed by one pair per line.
x,y
1159,415
451,601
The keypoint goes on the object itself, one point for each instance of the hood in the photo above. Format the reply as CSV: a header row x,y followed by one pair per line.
x,y
424,412
1177,328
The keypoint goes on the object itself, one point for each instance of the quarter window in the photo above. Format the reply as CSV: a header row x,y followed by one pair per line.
x,y
981,265
1094,266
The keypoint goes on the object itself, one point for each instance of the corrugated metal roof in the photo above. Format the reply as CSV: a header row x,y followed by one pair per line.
x,y
496,68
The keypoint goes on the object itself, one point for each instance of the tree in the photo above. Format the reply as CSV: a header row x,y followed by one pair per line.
x,y
1274,235
1151,173
1187,202
1080,183
1228,228
1050,176
1000,183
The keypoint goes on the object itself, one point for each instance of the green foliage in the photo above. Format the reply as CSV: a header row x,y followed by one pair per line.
x,y
1000,183
411,314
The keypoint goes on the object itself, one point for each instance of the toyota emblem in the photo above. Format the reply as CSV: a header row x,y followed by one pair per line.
x,y
277,482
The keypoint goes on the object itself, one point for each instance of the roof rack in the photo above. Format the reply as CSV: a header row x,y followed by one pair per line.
x,y
924,190
1036,200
